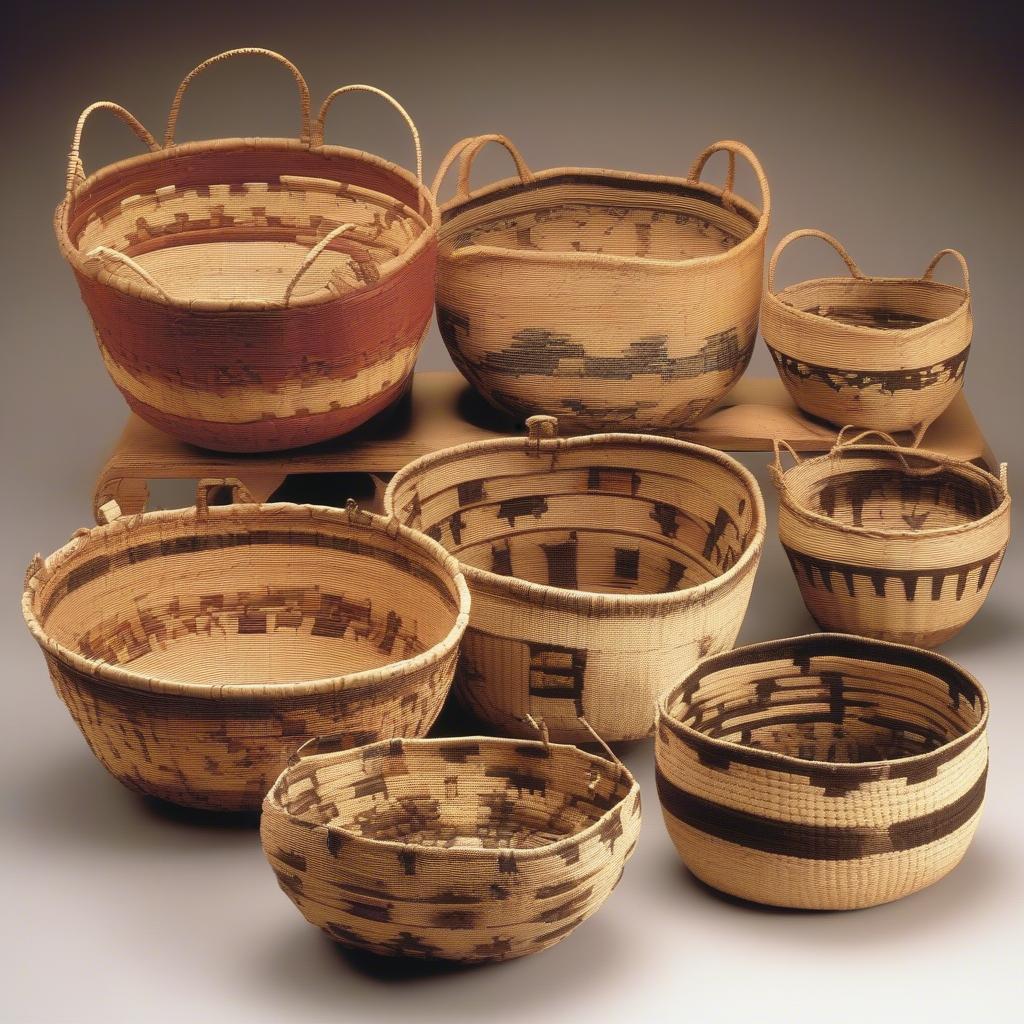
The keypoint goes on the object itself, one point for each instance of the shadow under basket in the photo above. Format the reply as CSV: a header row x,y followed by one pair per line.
x,y
892,543
823,772
197,648
467,849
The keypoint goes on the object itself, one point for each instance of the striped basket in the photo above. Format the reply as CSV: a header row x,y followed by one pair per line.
x,y
197,648
826,772
601,568
893,543
886,353
615,301
253,294
466,849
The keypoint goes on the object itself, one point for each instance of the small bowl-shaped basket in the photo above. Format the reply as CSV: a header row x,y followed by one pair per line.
x,y
613,300
601,568
893,543
826,772
197,648
464,849
886,353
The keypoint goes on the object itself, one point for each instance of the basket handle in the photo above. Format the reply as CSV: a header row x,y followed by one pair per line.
x,y
844,444
541,428
172,117
76,173
929,273
735,149
318,125
468,149
542,729
855,271
104,252
239,492
778,470
312,256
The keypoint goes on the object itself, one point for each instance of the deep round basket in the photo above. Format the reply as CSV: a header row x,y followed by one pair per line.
x,y
466,849
825,772
197,648
601,568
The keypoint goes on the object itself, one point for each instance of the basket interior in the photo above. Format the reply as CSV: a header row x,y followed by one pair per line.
x,y
882,304
824,703
870,489
247,600
472,793
204,234
616,517
595,213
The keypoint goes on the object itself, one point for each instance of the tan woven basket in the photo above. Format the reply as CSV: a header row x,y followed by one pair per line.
x,y
881,352
253,294
893,543
466,849
197,648
611,300
826,772
601,568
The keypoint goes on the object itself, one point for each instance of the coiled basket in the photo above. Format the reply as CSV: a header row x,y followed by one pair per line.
x,y
826,772
601,568
197,648
253,294
466,849
886,353
613,301
893,543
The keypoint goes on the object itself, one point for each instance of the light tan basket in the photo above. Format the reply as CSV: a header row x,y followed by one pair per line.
x,y
826,772
615,301
601,568
253,294
197,648
467,849
893,543
882,352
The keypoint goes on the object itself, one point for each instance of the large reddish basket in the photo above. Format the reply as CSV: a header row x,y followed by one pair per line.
x,y
253,294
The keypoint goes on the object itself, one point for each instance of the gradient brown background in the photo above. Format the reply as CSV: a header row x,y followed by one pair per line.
x,y
896,127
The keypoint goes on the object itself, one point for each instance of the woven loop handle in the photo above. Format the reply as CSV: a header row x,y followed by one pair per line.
x,y
103,252
312,256
76,173
318,126
239,492
735,149
172,117
468,149
778,471
958,256
855,271
843,445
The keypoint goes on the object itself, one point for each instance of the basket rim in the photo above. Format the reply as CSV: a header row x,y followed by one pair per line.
x,y
586,602
790,763
965,468
559,258
321,296
881,334
125,678
463,852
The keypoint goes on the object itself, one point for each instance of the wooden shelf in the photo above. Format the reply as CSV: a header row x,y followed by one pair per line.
x,y
441,410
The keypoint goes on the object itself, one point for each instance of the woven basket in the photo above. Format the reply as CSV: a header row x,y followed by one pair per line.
x,y
893,543
826,772
465,849
197,648
886,353
601,568
253,294
611,300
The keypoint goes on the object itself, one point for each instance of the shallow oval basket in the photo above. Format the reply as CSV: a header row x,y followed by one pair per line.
x,y
825,772
197,648
886,353
893,543
601,568
612,300
253,294
468,849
